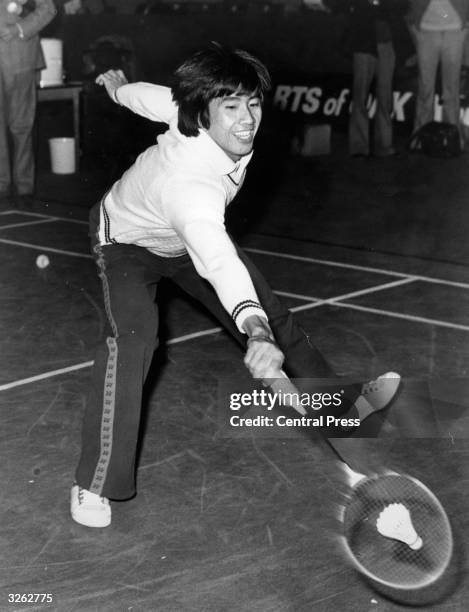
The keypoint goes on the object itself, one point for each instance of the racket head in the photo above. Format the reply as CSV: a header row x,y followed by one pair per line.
x,y
389,562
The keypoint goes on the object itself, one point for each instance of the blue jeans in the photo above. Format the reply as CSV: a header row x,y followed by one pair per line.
x,y
130,277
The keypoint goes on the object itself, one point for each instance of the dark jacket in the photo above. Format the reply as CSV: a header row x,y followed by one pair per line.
x,y
371,23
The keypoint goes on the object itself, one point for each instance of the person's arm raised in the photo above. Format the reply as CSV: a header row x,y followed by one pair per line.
x,y
151,101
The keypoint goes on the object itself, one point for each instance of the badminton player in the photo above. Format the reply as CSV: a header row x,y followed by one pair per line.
x,y
164,218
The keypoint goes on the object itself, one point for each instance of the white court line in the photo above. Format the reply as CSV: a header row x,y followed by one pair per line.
x,y
44,249
28,223
345,296
199,334
88,364
407,317
324,262
337,264
314,303
337,301
413,277
35,214
380,312
297,296
368,290
44,375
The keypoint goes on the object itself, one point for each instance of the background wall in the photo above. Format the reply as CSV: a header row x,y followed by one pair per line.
x,y
301,48
302,42
305,50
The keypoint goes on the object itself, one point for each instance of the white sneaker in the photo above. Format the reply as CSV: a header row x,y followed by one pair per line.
x,y
377,394
88,508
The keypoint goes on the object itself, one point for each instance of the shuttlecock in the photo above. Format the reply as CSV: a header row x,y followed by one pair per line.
x,y
395,522
42,261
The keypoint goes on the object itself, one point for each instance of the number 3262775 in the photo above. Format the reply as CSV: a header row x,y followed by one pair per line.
x,y
29,598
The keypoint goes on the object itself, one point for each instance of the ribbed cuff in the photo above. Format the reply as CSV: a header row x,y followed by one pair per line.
x,y
114,96
246,309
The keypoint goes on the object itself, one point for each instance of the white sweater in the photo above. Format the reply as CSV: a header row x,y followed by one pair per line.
x,y
172,201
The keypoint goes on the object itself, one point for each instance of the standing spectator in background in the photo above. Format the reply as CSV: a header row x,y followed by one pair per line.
x,y
20,58
439,31
372,23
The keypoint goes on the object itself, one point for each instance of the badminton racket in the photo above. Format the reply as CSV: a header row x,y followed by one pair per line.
x,y
395,531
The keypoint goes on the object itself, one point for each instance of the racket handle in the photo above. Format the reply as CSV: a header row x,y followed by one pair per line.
x,y
281,384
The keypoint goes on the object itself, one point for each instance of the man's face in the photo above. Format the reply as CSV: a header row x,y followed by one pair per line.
x,y
234,121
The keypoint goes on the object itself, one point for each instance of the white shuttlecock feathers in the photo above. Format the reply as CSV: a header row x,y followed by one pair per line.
x,y
395,522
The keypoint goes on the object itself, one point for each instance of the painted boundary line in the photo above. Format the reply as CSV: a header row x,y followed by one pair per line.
x,y
406,317
28,223
42,216
88,364
339,302
314,260
45,375
313,302
44,249
337,264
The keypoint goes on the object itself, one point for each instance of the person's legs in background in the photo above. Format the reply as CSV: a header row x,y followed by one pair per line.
x,y
451,63
5,173
383,129
364,66
22,111
428,55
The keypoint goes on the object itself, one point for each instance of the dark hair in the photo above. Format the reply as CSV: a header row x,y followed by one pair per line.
x,y
214,72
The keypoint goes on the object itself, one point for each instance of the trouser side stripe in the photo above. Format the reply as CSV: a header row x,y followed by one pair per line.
x,y
109,391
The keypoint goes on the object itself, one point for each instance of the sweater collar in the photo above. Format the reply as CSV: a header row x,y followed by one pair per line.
x,y
214,155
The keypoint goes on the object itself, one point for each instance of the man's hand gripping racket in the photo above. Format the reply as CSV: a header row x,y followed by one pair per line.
x,y
394,529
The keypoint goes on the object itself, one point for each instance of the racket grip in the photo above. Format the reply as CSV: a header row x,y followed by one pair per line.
x,y
288,393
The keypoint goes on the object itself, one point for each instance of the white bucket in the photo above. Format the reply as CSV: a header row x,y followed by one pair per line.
x,y
62,155
53,53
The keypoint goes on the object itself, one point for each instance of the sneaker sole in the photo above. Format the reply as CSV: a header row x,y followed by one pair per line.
x,y
389,376
105,522
97,518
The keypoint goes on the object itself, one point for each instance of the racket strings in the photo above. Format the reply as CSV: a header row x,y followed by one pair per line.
x,y
387,559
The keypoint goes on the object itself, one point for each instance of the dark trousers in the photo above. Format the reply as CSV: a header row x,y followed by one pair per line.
x,y
17,113
130,277
365,67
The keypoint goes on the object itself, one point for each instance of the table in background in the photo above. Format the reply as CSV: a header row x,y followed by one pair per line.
x,y
67,91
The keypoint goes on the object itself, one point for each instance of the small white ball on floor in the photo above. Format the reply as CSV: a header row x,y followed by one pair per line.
x,y
42,261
